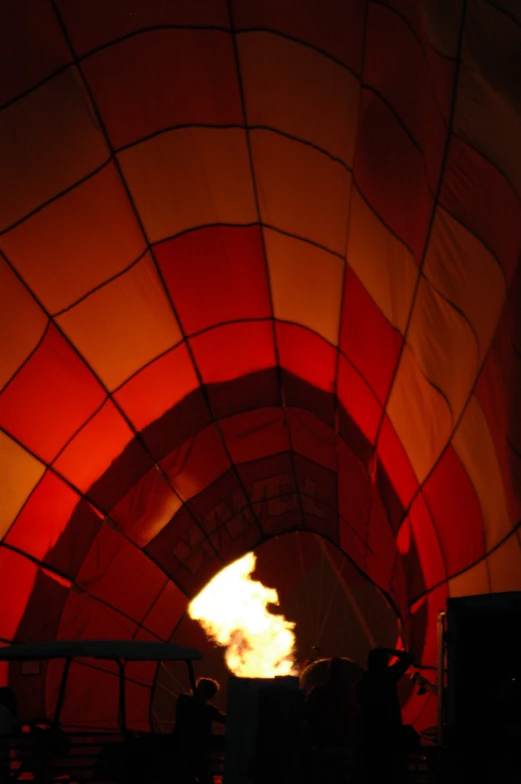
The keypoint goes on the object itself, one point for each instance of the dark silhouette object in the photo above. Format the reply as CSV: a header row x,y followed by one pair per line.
x,y
384,738
8,724
332,714
193,731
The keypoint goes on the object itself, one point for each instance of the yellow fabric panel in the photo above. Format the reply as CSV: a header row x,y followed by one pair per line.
x,y
382,263
190,177
444,346
76,243
123,325
475,580
488,110
419,415
294,89
475,448
301,190
504,566
466,273
22,323
20,472
48,141
306,284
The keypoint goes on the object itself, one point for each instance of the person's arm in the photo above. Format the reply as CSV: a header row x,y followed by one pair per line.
x,y
405,660
216,714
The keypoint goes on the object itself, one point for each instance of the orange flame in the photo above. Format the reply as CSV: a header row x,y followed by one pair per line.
x,y
232,609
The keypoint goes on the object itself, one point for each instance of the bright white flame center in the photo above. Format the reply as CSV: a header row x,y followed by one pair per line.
x,y
232,609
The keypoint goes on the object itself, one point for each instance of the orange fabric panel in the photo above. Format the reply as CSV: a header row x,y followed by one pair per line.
x,y
216,274
390,173
123,325
367,339
197,464
82,461
301,191
32,45
306,284
419,414
188,178
473,581
164,78
17,578
504,566
255,434
75,243
487,116
109,572
44,517
444,346
22,323
157,387
233,350
306,355
475,448
358,399
333,26
467,275
48,141
20,472
296,90
92,23
382,263
147,508
50,398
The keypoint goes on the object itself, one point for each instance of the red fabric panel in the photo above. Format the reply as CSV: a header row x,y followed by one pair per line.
x,y
50,398
165,78
233,350
382,550
86,618
110,572
17,578
32,45
456,513
485,203
311,438
216,274
397,68
396,463
44,517
96,691
67,554
390,174
358,399
255,434
91,23
158,386
94,448
367,338
432,559
306,355
334,26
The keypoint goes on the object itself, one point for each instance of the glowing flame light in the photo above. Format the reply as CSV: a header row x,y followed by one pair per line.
x,y
232,609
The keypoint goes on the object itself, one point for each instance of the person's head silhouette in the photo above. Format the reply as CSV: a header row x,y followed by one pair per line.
x,y
206,688
377,660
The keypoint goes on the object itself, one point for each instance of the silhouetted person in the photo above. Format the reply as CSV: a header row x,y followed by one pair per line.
x,y
193,729
331,710
382,728
8,724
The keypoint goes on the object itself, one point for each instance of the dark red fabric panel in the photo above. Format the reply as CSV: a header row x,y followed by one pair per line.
x,y
216,274
312,439
255,434
272,491
479,196
354,490
390,174
192,467
432,554
333,26
306,355
299,393
367,338
358,399
165,78
456,513
50,398
67,555
396,463
397,68
319,497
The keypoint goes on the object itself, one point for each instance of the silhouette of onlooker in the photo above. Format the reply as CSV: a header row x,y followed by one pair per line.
x,y
382,730
193,729
8,724
331,710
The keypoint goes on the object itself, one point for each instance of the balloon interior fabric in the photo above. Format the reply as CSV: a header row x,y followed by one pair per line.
x,y
259,274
